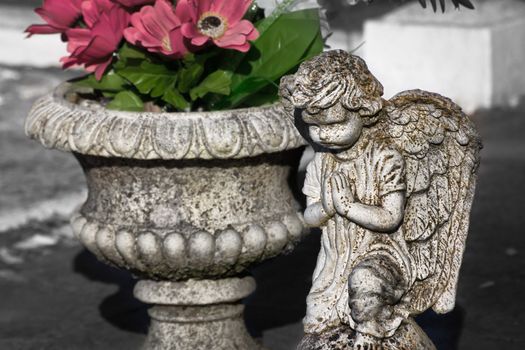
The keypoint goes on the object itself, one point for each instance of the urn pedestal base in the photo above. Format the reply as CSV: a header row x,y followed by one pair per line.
x,y
197,314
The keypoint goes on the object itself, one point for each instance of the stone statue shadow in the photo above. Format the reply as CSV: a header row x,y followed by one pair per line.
x,y
280,299
121,309
443,330
282,286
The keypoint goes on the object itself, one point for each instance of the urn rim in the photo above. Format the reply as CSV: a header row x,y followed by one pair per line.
x,y
89,128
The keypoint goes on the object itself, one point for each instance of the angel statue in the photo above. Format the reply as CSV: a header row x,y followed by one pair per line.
x,y
391,185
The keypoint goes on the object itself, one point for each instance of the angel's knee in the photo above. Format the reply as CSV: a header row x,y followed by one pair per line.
x,y
364,294
372,288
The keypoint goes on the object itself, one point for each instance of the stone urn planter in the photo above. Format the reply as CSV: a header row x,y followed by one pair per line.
x,y
185,201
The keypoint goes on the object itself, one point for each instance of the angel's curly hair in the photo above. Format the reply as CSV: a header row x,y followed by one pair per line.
x,y
335,76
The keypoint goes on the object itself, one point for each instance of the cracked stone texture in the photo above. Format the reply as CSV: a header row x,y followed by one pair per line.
x,y
55,295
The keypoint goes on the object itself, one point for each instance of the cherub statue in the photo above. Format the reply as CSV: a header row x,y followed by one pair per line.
x,y
391,185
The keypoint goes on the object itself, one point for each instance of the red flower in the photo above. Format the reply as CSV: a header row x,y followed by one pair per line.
x,y
157,28
59,15
219,21
94,46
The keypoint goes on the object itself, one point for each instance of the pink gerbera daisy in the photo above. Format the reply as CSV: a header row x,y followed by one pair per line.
x,y
133,3
60,15
94,45
218,21
157,28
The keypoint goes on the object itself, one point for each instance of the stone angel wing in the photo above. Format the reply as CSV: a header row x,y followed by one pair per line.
x,y
441,149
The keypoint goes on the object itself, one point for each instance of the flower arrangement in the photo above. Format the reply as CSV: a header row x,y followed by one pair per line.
x,y
181,55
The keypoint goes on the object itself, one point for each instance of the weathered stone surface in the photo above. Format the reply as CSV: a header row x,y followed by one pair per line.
x,y
197,314
188,219
87,128
195,292
391,185
213,327
409,337
180,196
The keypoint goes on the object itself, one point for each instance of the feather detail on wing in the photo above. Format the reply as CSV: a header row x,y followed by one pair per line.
x,y
441,149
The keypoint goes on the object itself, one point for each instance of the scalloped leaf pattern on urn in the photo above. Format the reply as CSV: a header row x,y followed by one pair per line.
x,y
90,129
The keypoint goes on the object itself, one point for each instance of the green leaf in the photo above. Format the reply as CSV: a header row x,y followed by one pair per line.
x,y
128,51
109,94
126,101
246,88
189,77
110,82
176,99
194,68
291,38
129,55
150,78
316,47
283,45
218,82
260,99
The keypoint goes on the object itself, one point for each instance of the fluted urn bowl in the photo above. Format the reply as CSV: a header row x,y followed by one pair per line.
x,y
183,200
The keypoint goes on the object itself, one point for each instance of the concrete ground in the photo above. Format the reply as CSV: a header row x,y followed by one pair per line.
x,y
55,295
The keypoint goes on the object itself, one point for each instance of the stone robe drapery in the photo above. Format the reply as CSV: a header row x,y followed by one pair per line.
x,y
374,170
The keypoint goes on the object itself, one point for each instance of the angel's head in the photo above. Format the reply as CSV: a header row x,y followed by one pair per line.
x,y
336,95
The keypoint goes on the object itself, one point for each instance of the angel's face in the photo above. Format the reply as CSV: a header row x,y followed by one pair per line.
x,y
339,129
